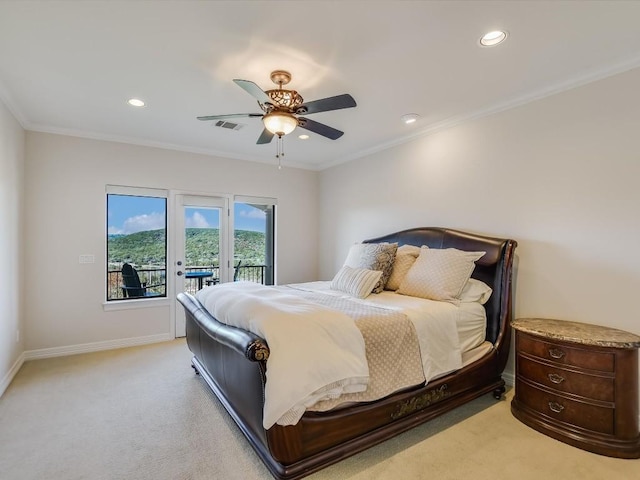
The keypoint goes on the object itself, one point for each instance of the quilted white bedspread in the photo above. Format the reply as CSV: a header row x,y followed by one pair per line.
x,y
318,358
316,353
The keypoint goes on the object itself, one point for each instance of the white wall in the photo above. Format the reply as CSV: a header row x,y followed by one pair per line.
x,y
560,175
12,139
65,201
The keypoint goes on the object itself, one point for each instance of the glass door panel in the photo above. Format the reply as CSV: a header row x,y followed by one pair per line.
x,y
254,240
201,258
202,247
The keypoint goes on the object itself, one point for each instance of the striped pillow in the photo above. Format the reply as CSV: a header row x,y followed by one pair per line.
x,y
357,282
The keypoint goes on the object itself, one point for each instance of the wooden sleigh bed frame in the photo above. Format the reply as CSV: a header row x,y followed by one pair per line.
x,y
233,362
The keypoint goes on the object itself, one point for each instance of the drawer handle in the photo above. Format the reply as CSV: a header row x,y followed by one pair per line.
x,y
555,378
555,407
556,353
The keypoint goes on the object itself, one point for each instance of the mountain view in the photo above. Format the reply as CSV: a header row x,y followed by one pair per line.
x,y
147,248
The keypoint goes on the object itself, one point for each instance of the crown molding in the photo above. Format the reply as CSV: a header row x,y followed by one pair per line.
x,y
7,99
588,76
155,144
585,78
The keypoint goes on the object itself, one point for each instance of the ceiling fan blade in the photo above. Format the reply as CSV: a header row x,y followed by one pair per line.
x,y
232,115
253,90
265,137
319,128
326,104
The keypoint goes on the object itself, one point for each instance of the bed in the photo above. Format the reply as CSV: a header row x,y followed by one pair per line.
x,y
233,362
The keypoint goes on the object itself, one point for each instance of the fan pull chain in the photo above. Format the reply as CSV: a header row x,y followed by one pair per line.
x,y
279,151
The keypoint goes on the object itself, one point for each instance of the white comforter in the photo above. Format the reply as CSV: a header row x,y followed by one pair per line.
x,y
316,353
436,325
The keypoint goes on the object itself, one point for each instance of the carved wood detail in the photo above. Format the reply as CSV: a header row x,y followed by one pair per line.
x,y
421,401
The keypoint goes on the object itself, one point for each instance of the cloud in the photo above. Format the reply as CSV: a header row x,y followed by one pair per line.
x,y
197,220
253,213
141,223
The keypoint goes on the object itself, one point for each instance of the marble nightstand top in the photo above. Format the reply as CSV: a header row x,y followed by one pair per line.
x,y
577,332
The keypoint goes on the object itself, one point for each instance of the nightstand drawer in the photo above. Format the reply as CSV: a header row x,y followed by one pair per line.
x,y
589,416
584,358
589,386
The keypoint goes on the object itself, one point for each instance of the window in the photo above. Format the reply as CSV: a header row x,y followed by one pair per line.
x,y
254,240
136,243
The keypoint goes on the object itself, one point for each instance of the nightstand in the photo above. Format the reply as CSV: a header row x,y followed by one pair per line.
x,y
578,383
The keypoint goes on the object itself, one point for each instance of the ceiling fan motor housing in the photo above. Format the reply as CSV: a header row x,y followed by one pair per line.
x,y
289,99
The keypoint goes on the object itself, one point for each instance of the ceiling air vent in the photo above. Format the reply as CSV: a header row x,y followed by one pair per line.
x,y
229,125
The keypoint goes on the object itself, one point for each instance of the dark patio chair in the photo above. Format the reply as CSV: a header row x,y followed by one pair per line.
x,y
133,287
237,271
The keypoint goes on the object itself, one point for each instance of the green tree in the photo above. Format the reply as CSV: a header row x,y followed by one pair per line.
x,y
147,248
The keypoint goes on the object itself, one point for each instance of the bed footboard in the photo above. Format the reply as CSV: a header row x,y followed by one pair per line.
x,y
238,382
253,347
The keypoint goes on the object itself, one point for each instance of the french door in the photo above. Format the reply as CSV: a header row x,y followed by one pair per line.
x,y
201,247
219,239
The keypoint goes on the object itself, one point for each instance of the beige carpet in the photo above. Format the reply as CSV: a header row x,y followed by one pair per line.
x,y
140,413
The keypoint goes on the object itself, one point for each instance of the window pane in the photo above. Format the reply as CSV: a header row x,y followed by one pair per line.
x,y
136,247
254,242
202,247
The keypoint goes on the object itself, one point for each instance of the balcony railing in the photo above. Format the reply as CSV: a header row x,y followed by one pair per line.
x,y
157,276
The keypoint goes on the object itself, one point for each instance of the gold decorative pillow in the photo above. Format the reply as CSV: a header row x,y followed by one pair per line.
x,y
357,282
439,274
405,257
373,256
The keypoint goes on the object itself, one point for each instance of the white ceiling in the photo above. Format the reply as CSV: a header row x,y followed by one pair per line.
x,y
69,66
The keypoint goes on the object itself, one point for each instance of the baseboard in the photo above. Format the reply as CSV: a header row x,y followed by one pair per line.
x,y
509,378
11,373
95,346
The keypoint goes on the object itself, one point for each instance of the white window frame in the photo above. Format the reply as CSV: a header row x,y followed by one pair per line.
x,y
111,305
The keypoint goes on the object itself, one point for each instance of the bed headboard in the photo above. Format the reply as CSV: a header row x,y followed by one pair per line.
x,y
494,268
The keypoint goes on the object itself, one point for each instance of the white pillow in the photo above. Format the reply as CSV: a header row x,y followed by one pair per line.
x,y
373,256
475,291
405,256
439,274
357,282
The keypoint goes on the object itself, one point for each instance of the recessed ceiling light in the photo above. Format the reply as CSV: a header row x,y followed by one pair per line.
x,y
493,38
135,102
303,137
410,118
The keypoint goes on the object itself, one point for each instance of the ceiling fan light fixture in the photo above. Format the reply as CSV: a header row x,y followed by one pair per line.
x,y
280,123
281,108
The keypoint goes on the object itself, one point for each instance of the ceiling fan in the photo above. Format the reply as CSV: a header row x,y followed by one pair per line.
x,y
284,109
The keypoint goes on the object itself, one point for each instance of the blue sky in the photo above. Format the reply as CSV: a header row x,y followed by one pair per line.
x,y
129,214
